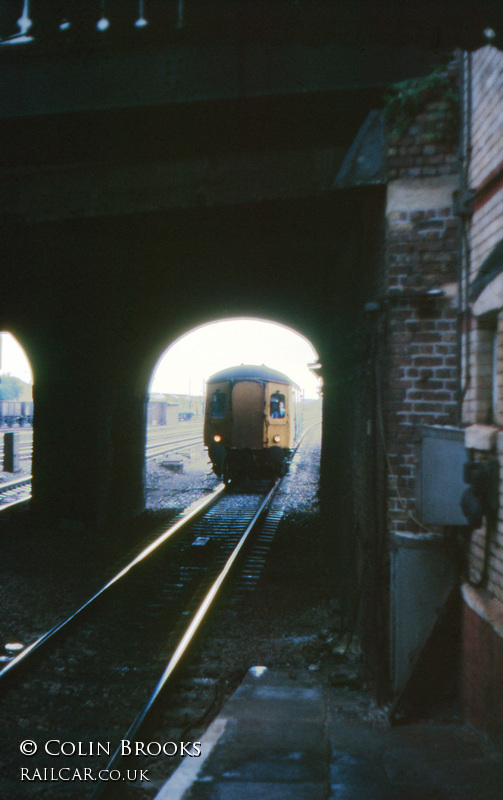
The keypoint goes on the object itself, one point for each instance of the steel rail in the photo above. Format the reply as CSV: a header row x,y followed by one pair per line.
x,y
173,436
18,502
8,485
169,447
25,452
187,517
188,637
161,430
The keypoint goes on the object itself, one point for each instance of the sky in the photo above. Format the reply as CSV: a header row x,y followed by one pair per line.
x,y
186,365
13,359
202,352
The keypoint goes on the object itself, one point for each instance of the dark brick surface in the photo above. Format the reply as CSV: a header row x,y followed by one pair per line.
x,y
421,356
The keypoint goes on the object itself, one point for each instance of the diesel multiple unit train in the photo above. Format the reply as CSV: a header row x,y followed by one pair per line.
x,y
251,422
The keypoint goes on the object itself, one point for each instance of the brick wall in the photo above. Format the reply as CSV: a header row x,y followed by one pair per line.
x,y
485,177
483,403
429,342
482,661
420,289
487,116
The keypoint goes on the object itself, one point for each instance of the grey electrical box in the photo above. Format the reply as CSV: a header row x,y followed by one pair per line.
x,y
439,483
422,577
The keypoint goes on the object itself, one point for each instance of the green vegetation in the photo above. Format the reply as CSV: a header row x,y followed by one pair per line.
x,y
405,100
10,387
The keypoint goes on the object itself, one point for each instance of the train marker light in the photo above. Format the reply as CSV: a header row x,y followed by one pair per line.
x,y
217,438
276,438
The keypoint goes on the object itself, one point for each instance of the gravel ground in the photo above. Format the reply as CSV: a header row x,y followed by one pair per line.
x,y
168,488
294,595
292,618
39,586
290,621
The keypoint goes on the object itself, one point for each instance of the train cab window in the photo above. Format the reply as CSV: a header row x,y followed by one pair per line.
x,y
278,406
218,404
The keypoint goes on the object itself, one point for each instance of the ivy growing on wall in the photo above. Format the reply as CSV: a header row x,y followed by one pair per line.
x,y
405,100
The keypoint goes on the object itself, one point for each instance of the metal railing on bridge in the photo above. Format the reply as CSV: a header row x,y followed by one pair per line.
x,y
394,22
82,22
79,21
23,21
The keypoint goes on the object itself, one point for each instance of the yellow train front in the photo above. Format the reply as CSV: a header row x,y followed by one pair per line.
x,y
251,422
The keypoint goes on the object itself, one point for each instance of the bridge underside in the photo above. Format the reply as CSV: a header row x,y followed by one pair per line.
x,y
96,301
148,190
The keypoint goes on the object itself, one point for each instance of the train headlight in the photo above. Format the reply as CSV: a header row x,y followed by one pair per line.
x,y
276,438
217,438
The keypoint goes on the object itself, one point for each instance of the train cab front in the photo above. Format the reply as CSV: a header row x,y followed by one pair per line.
x,y
217,426
249,422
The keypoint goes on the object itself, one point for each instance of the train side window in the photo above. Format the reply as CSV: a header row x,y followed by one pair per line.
x,y
218,404
278,406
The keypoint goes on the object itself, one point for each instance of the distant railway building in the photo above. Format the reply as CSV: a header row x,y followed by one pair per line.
x,y
162,410
167,409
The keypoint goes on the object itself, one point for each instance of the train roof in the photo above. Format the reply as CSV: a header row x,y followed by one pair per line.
x,y
250,372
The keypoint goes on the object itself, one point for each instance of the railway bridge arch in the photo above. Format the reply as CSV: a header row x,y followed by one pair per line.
x,y
127,291
148,187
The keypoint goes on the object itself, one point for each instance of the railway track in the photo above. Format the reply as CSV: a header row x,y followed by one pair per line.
x,y
187,432
172,445
17,491
164,595
25,442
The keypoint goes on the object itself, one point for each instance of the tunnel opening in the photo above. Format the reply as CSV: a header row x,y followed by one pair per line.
x,y
301,591
178,458
16,410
